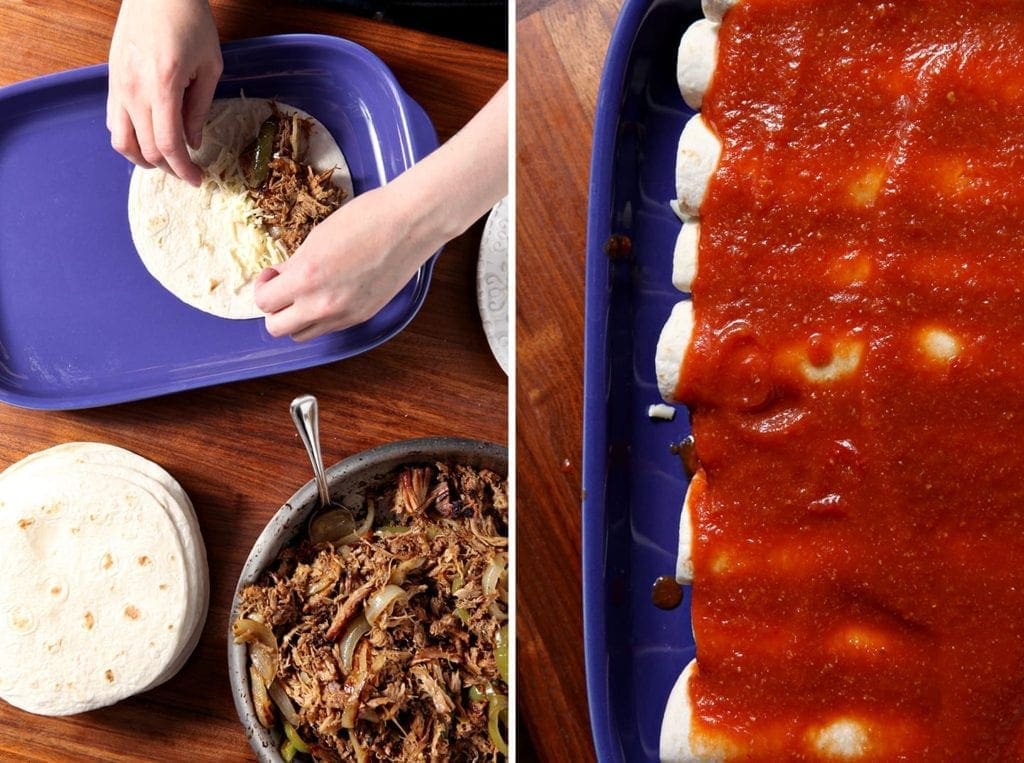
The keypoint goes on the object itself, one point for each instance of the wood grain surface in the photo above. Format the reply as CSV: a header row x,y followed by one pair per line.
x,y
233,446
560,51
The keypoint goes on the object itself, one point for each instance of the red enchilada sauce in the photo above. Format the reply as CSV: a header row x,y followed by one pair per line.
x,y
857,383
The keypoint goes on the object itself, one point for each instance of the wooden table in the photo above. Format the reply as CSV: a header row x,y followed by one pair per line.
x,y
560,52
233,447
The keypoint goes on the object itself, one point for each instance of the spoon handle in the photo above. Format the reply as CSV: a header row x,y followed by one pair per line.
x,y
305,414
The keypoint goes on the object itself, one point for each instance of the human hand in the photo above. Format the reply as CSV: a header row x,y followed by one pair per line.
x,y
165,61
347,269
357,259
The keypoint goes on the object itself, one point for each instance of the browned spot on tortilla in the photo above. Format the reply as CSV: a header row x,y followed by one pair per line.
x,y
143,561
89,621
25,523
163,586
110,676
55,591
76,530
107,561
132,613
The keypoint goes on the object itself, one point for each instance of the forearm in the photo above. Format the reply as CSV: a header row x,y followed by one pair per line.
x,y
458,183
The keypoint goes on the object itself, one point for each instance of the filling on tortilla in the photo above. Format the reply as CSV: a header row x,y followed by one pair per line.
x,y
287,195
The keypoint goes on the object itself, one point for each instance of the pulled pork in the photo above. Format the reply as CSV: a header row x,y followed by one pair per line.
x,y
388,646
294,197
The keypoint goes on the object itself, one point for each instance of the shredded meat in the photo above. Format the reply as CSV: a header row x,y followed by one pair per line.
x,y
294,197
420,678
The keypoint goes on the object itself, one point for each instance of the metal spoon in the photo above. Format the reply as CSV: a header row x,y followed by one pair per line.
x,y
306,415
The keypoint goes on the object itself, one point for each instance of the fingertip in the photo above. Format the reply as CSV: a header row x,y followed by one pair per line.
x,y
180,164
195,177
267,274
271,300
272,327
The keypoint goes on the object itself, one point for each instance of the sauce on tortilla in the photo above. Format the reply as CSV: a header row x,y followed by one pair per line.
x,y
856,380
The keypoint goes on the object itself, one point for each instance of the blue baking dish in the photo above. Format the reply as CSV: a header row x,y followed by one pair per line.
x,y
82,323
633,484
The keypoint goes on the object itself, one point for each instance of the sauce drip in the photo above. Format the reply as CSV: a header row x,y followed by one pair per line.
x,y
859,548
687,455
666,593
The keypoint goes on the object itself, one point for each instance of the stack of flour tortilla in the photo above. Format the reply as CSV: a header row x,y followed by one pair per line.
x,y
105,587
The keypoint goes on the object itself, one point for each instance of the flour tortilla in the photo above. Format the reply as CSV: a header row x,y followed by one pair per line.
x,y
684,555
670,353
679,741
202,244
696,160
715,10
100,460
684,257
115,536
696,60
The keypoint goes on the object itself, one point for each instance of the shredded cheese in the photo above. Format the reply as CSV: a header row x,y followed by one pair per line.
x,y
227,198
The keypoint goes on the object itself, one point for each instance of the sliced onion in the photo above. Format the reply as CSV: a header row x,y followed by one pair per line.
x,y
284,704
404,568
263,651
494,572
497,717
248,631
260,700
355,683
265,660
360,531
379,602
347,646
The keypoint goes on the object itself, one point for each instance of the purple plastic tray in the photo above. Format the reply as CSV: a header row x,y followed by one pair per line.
x,y
633,486
82,323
